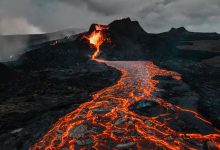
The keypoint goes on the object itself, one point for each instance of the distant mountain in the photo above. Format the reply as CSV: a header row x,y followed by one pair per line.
x,y
178,30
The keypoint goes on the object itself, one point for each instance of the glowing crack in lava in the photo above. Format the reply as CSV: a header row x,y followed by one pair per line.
x,y
108,122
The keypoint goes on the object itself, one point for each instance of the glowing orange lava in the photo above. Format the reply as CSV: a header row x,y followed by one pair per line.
x,y
106,122
97,38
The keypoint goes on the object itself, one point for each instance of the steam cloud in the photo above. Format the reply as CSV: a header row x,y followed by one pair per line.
x,y
18,26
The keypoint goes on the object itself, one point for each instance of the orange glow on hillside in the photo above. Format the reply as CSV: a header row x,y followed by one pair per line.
x,y
101,27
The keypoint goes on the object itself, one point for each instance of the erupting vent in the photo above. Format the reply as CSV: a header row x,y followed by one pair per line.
x,y
97,38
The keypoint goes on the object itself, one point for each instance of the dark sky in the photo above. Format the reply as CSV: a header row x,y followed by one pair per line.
x,y
36,16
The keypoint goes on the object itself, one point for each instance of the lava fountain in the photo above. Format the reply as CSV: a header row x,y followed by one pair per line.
x,y
107,122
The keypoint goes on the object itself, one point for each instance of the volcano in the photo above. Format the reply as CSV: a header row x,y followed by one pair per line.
x,y
114,87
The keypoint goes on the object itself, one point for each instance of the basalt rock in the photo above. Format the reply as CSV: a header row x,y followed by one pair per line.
x,y
147,108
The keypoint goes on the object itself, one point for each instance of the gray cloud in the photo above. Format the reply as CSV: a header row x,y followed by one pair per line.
x,y
105,8
154,15
193,14
17,25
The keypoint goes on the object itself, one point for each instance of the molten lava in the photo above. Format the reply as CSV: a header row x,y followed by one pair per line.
x,y
106,122
97,38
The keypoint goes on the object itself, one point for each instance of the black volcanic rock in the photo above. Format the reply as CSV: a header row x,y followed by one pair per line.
x,y
128,41
92,28
178,30
147,108
127,27
204,83
60,54
6,73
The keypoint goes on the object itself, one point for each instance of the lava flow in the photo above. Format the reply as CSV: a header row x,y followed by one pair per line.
x,y
109,120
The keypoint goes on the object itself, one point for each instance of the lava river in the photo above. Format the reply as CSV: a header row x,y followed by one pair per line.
x,y
109,122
